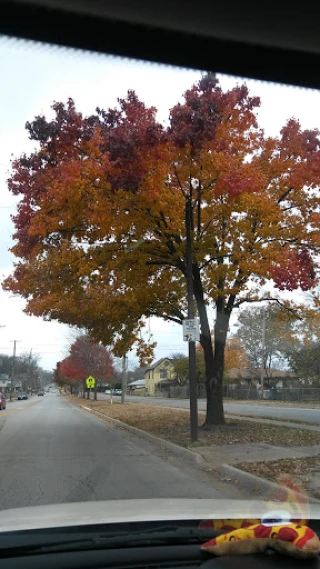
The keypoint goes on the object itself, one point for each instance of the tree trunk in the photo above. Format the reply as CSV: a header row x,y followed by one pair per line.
x,y
214,361
214,373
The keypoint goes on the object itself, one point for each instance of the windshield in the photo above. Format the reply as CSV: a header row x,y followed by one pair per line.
x,y
160,261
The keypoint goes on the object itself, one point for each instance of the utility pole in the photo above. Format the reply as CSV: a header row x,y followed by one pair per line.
x,y
13,366
263,347
124,378
30,374
191,344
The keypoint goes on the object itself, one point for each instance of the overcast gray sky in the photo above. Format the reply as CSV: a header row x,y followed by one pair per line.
x,y
35,75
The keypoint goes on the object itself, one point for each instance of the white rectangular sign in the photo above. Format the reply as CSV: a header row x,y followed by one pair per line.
x,y
191,330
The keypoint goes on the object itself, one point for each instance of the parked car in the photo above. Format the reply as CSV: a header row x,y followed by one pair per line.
x,y
118,392
40,393
3,401
22,395
108,391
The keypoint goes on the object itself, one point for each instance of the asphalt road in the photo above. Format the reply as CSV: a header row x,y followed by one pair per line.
x,y
307,415
53,452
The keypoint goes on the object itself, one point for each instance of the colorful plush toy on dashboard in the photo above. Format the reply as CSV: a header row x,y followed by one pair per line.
x,y
284,530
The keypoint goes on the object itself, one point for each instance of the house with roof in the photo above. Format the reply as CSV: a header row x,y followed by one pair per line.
x,y
5,383
273,378
160,374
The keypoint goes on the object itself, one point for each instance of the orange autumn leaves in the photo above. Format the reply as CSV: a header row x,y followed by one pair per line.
x,y
100,228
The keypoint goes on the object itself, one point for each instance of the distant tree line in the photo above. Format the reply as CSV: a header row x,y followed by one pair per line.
x,y
27,371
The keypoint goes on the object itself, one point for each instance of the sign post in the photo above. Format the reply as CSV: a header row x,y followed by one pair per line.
x,y
90,383
190,334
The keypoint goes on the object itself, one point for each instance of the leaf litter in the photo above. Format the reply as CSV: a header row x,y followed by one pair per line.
x,y
173,425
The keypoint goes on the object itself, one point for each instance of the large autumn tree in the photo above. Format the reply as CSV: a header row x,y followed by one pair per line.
x,y
100,228
85,358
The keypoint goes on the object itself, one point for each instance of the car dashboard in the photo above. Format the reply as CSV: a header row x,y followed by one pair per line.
x,y
166,557
35,549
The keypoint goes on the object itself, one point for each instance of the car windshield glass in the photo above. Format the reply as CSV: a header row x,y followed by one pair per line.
x,y
159,233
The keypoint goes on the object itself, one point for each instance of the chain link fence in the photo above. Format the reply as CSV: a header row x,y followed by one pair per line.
x,y
275,394
230,392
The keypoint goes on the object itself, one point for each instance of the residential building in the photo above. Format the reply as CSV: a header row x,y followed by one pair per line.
x,y
4,385
276,378
158,375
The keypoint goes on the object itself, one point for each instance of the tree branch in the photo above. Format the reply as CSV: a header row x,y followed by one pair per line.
x,y
165,317
239,280
216,258
199,208
207,226
269,299
178,180
283,197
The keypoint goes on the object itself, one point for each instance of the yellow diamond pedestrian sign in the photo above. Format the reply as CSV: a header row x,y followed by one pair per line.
x,y
90,382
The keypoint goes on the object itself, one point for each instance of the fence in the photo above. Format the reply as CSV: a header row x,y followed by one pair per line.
x,y
276,394
229,392
299,394
176,392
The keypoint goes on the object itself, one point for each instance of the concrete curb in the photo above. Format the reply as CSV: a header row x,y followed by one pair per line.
x,y
246,480
171,447
249,482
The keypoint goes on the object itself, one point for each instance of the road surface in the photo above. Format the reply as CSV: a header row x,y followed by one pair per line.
x,y
283,413
53,452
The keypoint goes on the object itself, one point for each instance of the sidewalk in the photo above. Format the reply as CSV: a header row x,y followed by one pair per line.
x,y
255,464
253,452
277,422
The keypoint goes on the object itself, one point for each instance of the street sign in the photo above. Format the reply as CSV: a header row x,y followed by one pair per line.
x,y
90,382
191,330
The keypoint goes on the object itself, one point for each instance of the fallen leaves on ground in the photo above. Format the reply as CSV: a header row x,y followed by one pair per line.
x,y
173,425
307,470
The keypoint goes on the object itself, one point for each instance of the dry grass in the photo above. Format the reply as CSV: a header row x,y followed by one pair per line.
x,y
306,470
173,425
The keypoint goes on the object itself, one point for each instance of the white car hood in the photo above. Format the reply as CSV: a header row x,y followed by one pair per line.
x,y
117,511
